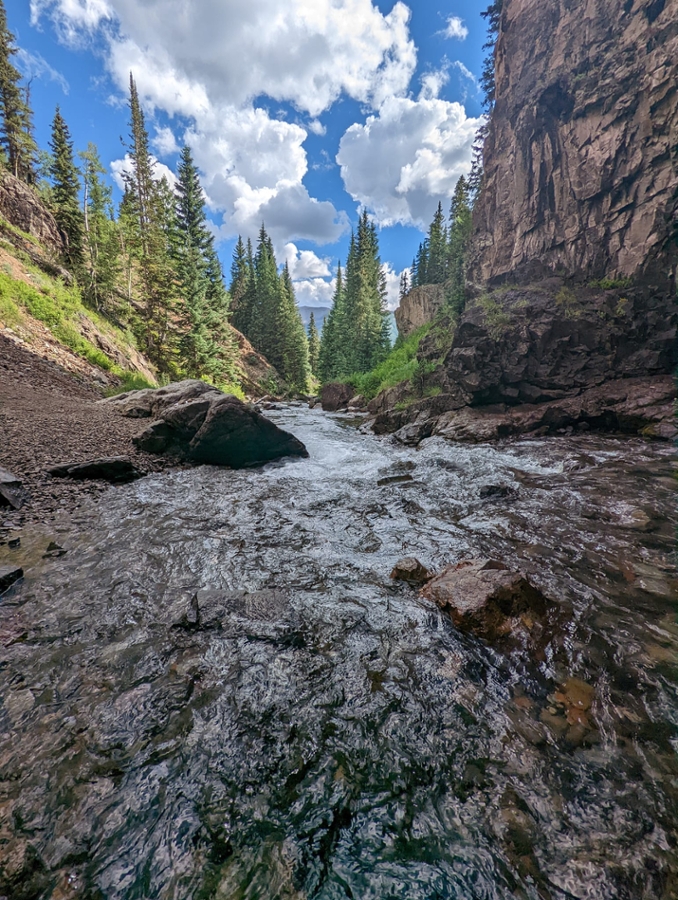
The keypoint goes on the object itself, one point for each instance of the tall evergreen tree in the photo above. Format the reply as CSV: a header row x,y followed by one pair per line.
x,y
295,367
16,129
65,192
150,220
331,361
243,287
239,275
460,234
206,345
313,346
358,334
102,249
437,248
487,82
404,284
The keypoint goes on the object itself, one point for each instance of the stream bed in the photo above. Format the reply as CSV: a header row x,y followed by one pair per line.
x,y
332,735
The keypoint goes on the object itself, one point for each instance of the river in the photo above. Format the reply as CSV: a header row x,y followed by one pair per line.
x,y
333,735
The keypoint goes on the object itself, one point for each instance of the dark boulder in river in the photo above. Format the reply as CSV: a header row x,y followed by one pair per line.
x,y
336,395
210,427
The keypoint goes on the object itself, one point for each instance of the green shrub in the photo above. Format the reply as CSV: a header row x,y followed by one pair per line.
x,y
611,284
400,365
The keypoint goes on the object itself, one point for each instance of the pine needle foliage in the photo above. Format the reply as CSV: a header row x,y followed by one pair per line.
x,y
16,127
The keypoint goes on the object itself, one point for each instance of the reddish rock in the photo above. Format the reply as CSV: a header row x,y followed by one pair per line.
x,y
411,570
486,598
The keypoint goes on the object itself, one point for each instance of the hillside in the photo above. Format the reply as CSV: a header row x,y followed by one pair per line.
x,y
42,311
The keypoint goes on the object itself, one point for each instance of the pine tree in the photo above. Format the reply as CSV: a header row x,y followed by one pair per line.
x,y
243,286
362,331
294,367
313,346
206,346
239,276
102,248
16,130
487,82
331,362
460,233
149,209
437,248
404,284
65,192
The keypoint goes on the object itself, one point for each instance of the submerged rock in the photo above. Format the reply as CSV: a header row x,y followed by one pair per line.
x,y
411,570
486,598
116,469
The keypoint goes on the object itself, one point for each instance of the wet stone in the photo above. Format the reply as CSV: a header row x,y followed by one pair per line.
x,y
9,575
411,570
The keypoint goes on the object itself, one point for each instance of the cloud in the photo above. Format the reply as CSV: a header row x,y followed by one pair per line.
x,y
455,29
307,52
392,279
122,167
315,292
165,142
305,263
32,65
206,62
406,157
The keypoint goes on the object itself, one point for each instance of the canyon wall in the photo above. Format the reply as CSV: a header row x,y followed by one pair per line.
x,y
581,159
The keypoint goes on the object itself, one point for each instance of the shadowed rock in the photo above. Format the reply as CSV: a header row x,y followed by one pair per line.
x,y
12,493
116,469
220,430
411,570
9,575
335,396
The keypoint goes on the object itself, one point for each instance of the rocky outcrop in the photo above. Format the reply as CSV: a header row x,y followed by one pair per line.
x,y
21,206
336,395
197,422
640,406
580,162
551,341
419,307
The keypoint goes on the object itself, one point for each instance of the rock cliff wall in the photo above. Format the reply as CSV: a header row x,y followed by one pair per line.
x,y
418,307
581,159
23,209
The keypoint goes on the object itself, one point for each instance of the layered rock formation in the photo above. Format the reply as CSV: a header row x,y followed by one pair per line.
x,y
23,209
418,307
581,159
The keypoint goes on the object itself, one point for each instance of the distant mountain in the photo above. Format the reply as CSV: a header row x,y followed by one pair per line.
x,y
318,311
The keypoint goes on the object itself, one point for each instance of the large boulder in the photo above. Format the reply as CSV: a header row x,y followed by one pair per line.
x,y
150,403
217,429
336,395
486,598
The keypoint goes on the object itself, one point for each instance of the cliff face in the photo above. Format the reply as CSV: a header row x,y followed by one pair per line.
x,y
581,159
418,307
23,209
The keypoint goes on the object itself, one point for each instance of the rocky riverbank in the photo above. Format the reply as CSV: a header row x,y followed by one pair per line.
x,y
49,417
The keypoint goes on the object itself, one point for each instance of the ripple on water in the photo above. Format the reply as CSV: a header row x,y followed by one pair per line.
x,y
346,741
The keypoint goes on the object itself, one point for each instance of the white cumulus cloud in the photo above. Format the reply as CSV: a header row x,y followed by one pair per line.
x,y
455,29
208,61
122,167
407,156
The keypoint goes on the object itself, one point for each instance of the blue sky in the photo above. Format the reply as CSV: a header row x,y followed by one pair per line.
x,y
299,112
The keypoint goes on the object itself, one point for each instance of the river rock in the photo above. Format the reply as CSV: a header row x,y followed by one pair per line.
x,y
9,575
116,469
411,570
12,493
220,430
335,396
151,402
486,598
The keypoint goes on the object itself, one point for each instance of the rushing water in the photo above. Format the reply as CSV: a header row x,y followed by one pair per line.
x,y
338,738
